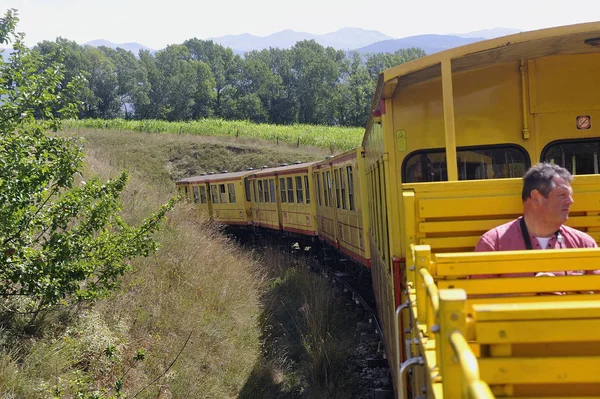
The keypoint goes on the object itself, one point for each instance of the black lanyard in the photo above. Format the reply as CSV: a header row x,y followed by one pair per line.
x,y
527,240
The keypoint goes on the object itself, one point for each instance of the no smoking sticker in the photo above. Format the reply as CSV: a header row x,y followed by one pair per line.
x,y
584,122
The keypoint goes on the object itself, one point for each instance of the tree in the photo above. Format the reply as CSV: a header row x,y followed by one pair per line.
x,y
284,105
378,62
224,66
177,82
132,81
317,72
355,92
99,93
63,238
204,96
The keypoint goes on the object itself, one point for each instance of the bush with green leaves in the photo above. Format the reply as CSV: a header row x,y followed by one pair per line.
x,y
62,238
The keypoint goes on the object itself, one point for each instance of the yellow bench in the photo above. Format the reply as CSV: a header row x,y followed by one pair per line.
x,y
531,350
448,272
452,216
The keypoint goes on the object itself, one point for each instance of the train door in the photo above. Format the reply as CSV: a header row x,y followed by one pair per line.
x,y
274,184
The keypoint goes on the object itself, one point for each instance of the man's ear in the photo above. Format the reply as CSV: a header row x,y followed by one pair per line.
x,y
535,196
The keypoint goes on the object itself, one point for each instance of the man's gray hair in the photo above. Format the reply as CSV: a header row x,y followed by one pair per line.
x,y
540,177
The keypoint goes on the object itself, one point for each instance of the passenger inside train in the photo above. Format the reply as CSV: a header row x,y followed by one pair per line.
x,y
547,198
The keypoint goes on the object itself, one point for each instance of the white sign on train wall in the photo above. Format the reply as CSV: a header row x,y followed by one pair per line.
x,y
584,122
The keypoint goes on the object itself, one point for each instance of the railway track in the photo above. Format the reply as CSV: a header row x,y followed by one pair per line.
x,y
354,282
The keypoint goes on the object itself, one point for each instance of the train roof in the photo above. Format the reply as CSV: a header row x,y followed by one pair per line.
x,y
215,178
288,169
339,158
572,39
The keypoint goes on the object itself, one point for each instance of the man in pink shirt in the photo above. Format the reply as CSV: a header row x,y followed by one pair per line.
x,y
547,198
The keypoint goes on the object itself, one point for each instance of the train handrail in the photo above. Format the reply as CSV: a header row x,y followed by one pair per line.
x,y
476,388
432,291
399,309
465,357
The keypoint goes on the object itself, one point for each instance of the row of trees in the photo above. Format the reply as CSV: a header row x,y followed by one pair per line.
x,y
305,84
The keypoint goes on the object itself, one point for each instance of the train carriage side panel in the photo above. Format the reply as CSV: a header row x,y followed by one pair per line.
x,y
381,216
350,229
296,196
229,201
326,217
201,195
361,195
265,208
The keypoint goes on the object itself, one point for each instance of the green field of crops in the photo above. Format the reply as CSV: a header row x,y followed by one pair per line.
x,y
341,138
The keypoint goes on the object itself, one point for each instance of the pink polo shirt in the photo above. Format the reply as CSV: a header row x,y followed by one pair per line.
x,y
508,237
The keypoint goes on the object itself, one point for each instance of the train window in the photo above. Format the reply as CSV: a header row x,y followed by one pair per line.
x,y
283,190
260,191
580,157
343,188
329,196
231,191
195,190
473,163
222,194
202,194
336,174
272,190
307,189
350,187
215,194
299,196
266,190
247,187
254,190
290,188
317,183
325,189
373,227
186,193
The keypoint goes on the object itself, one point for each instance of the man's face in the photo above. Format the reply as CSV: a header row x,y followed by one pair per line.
x,y
556,207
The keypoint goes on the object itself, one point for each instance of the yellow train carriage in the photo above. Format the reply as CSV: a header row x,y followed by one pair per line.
x,y
297,198
342,218
326,216
483,111
265,211
283,199
225,196
196,190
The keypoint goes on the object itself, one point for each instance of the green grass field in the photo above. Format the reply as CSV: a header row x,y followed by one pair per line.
x,y
336,138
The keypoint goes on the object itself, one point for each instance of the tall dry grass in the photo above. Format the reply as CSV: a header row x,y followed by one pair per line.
x,y
198,285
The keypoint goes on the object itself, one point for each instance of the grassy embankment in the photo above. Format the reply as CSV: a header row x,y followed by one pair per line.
x,y
257,326
337,139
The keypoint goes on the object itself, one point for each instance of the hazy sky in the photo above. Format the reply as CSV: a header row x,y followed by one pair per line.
x,y
158,23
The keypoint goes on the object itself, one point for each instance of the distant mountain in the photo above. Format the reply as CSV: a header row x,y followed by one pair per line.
x,y
345,39
361,40
428,43
489,33
133,47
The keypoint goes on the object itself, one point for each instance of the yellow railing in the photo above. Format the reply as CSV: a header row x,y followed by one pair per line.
x,y
440,316
473,387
